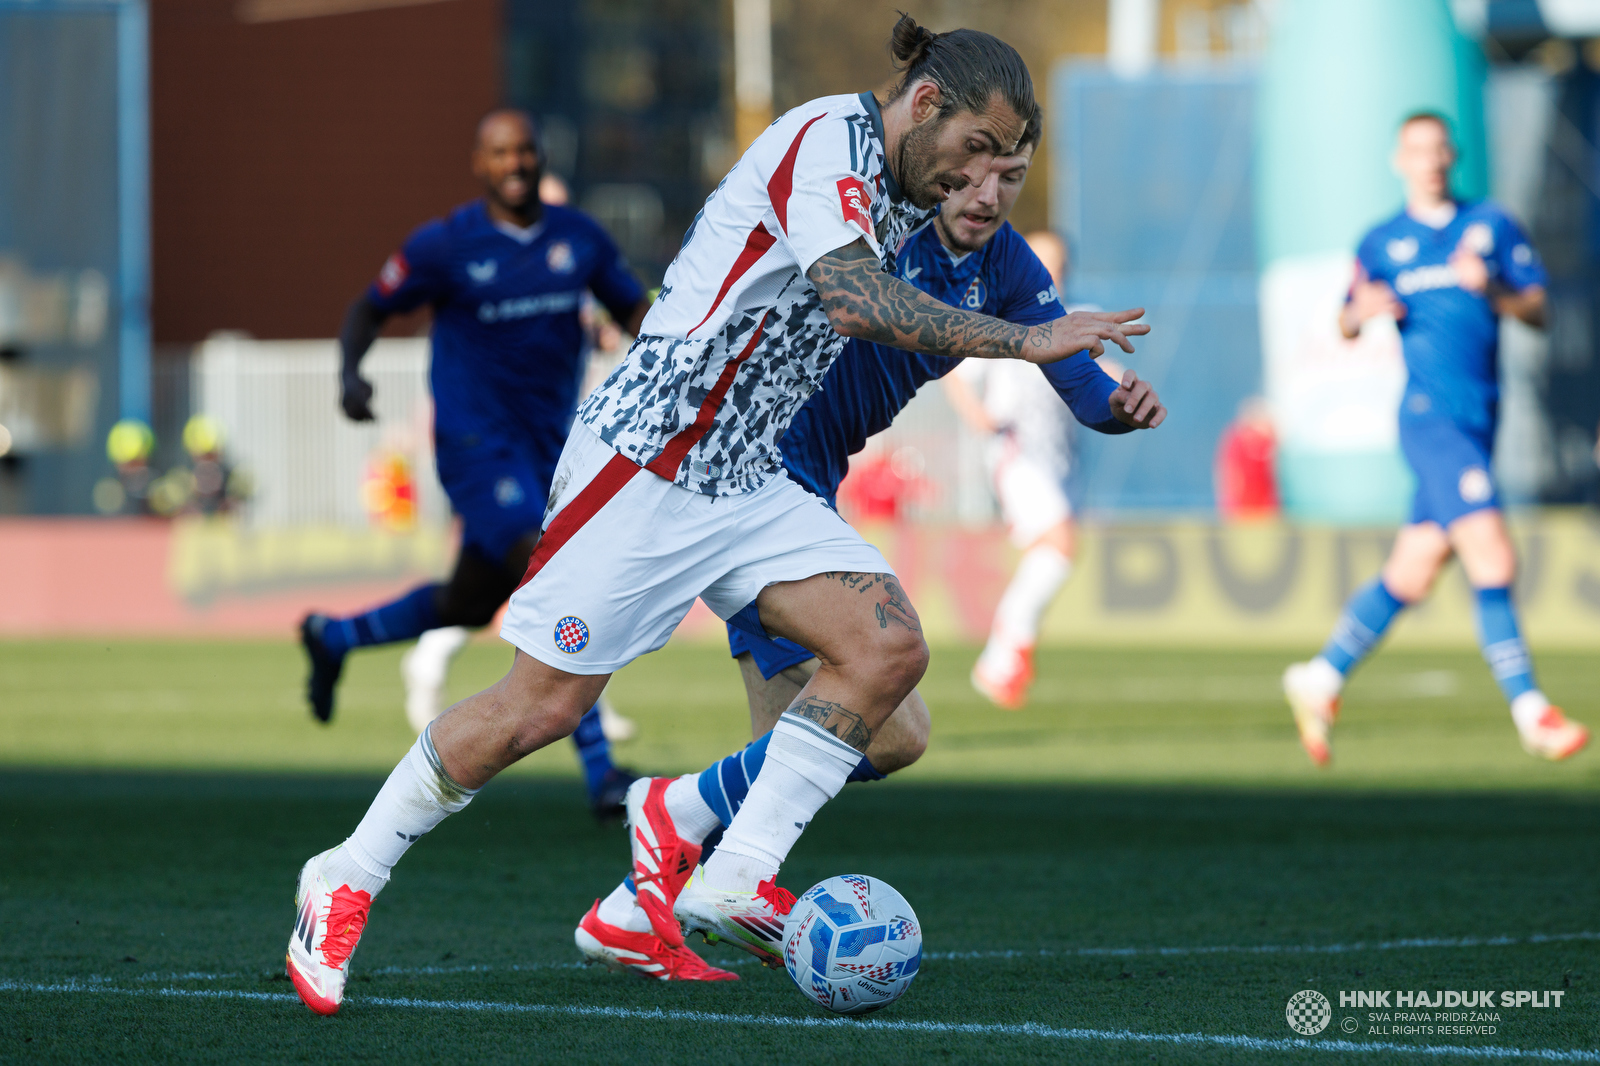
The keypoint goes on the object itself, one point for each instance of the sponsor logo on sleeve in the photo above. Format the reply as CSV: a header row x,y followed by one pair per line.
x,y
855,203
394,273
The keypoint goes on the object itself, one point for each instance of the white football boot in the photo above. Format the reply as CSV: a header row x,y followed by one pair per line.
x,y
424,669
1554,736
1312,689
749,920
325,935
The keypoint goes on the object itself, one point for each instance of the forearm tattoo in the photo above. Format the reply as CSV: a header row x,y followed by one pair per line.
x,y
893,604
868,303
846,725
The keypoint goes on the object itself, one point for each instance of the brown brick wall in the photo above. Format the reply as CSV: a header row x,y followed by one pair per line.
x,y
288,158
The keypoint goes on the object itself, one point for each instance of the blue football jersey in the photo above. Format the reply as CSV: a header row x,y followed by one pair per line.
x,y
1450,336
871,383
507,343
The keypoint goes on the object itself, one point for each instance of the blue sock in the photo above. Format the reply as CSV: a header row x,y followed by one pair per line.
x,y
1366,616
1502,644
726,783
594,750
410,616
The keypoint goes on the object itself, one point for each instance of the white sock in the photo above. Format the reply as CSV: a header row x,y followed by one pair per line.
x,y
1039,577
1325,675
424,670
417,796
691,815
1528,708
622,910
806,766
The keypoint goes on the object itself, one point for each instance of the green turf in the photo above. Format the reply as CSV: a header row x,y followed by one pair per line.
x,y
1149,799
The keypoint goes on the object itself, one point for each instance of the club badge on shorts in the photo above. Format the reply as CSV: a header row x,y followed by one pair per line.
x,y
572,635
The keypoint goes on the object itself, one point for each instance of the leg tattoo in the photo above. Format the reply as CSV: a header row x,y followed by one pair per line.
x,y
846,725
893,604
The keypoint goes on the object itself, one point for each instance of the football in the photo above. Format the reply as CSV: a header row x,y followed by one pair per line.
x,y
852,944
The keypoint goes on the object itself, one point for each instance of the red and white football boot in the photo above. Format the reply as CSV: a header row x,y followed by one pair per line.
x,y
1315,703
325,936
1554,736
1005,686
662,860
749,920
642,953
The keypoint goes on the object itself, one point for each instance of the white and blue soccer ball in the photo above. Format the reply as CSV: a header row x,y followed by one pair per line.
x,y
852,944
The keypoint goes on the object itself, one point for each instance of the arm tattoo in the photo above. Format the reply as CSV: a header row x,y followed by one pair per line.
x,y
863,301
846,725
893,604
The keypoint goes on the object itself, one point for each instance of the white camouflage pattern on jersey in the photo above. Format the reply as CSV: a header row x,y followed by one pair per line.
x,y
736,302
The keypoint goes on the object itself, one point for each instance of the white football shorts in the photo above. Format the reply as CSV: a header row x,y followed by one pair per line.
x,y
625,552
1031,491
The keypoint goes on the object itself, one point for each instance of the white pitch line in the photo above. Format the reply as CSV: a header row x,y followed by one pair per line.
x,y
1012,953
1025,1029
1278,949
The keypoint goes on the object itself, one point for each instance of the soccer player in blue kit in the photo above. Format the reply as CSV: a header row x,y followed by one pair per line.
x,y
505,275
970,257
1446,271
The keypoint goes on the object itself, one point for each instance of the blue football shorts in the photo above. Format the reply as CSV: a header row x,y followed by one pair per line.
x,y
773,655
498,489
1451,464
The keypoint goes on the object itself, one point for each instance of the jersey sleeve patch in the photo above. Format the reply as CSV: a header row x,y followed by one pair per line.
x,y
855,203
394,273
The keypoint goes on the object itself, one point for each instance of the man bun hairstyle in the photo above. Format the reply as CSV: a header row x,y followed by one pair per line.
x,y
968,66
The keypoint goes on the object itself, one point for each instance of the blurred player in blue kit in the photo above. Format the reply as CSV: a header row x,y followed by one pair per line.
x,y
505,276
969,257
1445,270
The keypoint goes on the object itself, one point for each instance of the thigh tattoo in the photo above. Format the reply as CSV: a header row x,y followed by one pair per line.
x,y
893,604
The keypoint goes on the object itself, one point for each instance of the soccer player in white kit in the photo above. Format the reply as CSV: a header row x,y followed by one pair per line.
x,y
1028,453
671,487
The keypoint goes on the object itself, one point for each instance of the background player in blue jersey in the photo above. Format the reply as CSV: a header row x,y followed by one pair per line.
x,y
969,257
505,276
1446,271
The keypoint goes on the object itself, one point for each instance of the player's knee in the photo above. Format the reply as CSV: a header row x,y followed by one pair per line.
x,y
534,726
900,661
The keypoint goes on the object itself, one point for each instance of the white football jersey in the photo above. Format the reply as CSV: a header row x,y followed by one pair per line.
x,y
738,338
1021,400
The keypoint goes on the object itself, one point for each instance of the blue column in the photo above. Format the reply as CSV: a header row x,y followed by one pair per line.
x,y
133,209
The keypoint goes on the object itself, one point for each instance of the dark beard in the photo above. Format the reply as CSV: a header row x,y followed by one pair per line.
x,y
915,171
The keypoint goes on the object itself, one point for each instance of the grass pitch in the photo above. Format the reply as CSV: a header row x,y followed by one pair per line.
x,y
1140,867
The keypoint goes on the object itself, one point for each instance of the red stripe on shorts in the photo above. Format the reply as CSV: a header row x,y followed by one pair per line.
x,y
666,464
595,495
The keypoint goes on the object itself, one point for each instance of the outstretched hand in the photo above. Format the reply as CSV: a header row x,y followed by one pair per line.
x,y
1135,403
355,396
1050,342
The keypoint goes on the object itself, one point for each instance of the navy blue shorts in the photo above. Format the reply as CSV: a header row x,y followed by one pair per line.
x,y
1452,468
499,490
773,655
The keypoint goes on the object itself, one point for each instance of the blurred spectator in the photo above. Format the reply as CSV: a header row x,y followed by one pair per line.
x,y
881,485
1247,484
213,486
128,446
